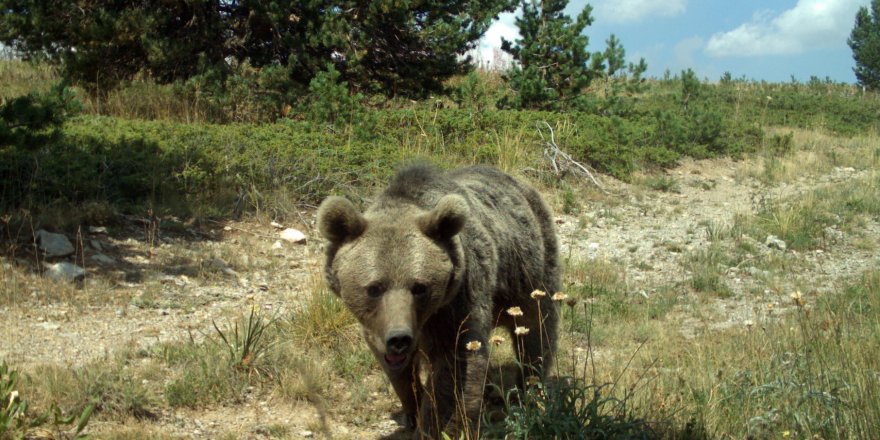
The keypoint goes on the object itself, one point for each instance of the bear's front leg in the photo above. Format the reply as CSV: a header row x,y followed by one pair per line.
x,y
453,399
406,384
469,387
408,387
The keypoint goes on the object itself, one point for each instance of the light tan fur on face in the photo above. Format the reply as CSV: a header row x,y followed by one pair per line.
x,y
395,256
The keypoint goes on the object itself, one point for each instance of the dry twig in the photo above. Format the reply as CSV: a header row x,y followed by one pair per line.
x,y
562,162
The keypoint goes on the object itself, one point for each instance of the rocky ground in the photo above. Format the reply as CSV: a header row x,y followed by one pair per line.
x,y
146,285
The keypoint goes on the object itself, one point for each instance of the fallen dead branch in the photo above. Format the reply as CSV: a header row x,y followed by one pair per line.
x,y
562,162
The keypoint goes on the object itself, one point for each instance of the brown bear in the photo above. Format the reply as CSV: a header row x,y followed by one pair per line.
x,y
430,268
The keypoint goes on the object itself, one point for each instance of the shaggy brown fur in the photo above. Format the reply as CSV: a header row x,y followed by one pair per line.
x,y
431,266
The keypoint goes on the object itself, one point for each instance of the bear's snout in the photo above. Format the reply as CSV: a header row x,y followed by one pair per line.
x,y
398,341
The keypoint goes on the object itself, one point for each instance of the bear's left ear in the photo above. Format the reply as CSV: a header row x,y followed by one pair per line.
x,y
446,219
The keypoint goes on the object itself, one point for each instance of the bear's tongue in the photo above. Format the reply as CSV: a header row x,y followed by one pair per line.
x,y
394,359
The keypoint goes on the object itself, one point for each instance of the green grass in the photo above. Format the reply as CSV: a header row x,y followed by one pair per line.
x,y
802,222
810,373
661,182
708,268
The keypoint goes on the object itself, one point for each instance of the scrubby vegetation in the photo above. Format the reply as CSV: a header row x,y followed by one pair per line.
x,y
215,146
343,143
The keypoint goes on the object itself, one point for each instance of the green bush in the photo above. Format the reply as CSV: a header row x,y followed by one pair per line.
x,y
329,100
29,121
242,94
474,93
234,168
568,408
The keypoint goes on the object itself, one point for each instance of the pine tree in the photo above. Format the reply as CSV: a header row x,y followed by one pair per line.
x,y
865,43
103,42
613,57
394,46
552,64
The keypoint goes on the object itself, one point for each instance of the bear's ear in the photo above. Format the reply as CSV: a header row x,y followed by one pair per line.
x,y
446,219
339,220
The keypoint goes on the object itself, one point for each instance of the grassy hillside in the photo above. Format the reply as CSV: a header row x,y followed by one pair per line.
x,y
680,321
127,150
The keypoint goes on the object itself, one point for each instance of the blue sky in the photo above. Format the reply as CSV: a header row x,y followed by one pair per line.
x,y
770,39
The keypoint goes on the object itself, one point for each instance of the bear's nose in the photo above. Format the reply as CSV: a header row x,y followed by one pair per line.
x,y
398,341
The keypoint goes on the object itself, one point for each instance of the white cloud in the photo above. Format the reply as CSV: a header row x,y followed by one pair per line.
x,y
490,54
808,25
623,11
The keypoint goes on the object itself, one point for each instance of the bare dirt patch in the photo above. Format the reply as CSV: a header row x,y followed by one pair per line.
x,y
172,285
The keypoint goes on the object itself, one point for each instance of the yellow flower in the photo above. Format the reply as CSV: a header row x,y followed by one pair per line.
x,y
497,340
798,298
559,296
514,311
521,331
473,345
538,294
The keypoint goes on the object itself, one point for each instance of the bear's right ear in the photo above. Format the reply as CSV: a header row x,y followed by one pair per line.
x,y
339,220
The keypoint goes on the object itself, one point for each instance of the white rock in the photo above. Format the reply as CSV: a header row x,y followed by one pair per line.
x,y
293,236
277,245
49,325
774,242
97,229
64,271
54,245
276,225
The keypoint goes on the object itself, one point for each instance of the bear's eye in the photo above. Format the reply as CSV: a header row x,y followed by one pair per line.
x,y
375,290
419,289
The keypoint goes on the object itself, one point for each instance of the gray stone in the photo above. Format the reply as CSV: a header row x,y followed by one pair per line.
x,y
97,229
833,235
223,266
102,259
54,245
64,271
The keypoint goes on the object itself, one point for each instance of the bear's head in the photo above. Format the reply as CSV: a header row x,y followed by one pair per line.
x,y
394,267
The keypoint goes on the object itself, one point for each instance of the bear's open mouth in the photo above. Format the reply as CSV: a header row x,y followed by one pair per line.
x,y
395,361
